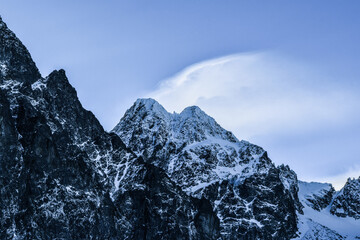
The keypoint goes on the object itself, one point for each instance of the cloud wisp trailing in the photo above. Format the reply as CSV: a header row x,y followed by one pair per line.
x,y
267,98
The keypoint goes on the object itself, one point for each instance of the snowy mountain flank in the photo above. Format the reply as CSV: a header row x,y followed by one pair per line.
x,y
244,187
156,175
250,196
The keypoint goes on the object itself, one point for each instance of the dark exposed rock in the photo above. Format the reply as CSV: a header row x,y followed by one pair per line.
x,y
15,59
156,208
60,171
346,202
289,179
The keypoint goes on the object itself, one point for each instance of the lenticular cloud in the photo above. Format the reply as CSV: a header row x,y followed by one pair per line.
x,y
257,93
268,98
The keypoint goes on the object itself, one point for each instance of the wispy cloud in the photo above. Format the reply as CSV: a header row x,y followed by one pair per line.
x,y
262,94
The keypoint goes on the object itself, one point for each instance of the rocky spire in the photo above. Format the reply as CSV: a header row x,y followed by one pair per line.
x,y
347,201
15,60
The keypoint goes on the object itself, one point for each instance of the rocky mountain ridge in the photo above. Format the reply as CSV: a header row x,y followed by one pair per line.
x,y
347,202
156,176
215,159
243,185
63,177
318,220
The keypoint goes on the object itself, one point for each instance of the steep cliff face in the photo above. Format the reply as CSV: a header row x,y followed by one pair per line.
x,y
15,60
63,177
50,186
155,176
154,207
252,198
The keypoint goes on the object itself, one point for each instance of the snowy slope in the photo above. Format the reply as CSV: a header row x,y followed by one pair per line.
x,y
315,224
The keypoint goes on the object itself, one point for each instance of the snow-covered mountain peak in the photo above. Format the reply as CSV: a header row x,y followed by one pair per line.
x,y
193,111
194,124
207,161
150,105
147,109
190,140
189,126
353,181
192,179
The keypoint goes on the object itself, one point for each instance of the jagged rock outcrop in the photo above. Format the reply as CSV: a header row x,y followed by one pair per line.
x,y
252,198
50,188
346,203
63,177
156,176
290,181
15,60
154,207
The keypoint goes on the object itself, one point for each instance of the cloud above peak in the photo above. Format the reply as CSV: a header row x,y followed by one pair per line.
x,y
263,95
257,93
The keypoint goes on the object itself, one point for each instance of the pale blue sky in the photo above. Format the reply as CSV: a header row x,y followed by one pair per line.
x,y
116,51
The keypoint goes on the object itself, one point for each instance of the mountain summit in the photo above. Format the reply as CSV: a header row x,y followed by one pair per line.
x,y
157,175
209,162
247,191
15,59
191,125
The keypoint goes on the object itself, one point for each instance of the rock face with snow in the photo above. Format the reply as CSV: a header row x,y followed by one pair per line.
x,y
318,220
347,201
321,232
63,177
155,176
52,155
317,195
251,197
